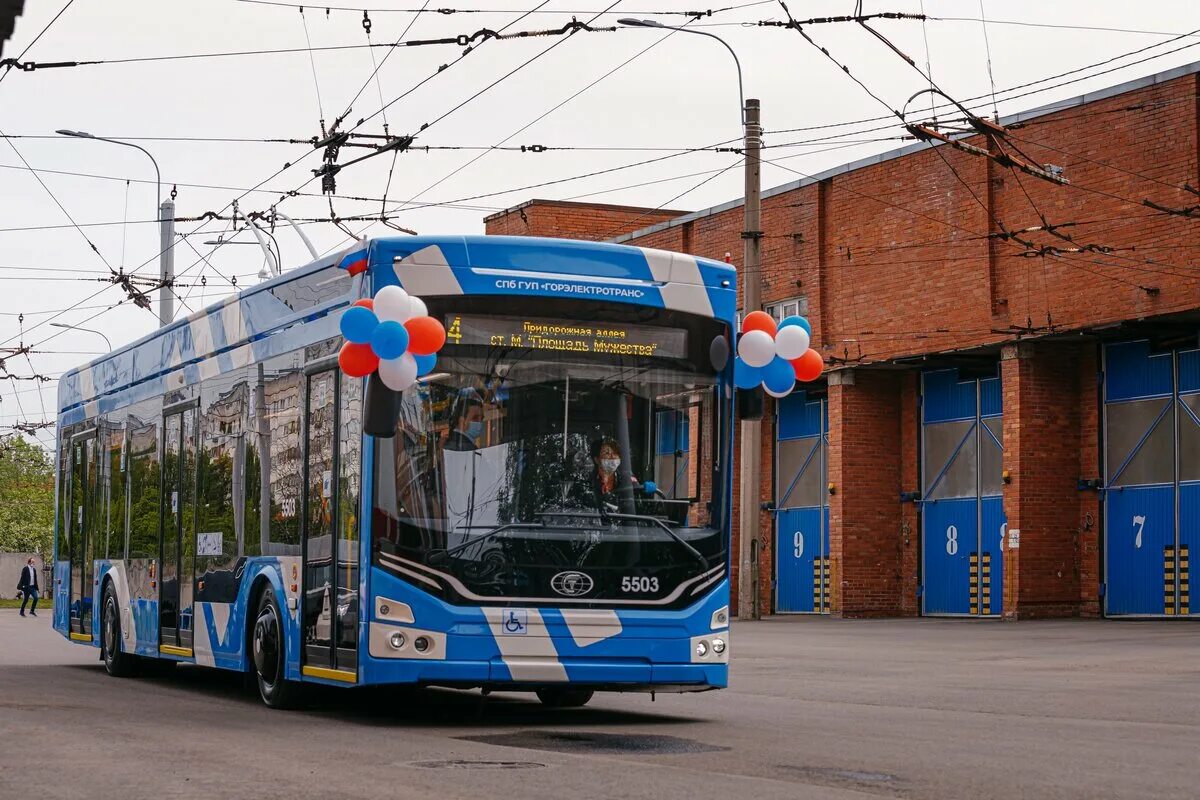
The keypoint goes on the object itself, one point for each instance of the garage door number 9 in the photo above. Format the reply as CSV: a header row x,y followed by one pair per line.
x,y
798,544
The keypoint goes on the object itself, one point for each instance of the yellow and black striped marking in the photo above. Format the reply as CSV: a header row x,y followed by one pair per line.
x,y
985,584
1183,579
820,585
974,583
1169,580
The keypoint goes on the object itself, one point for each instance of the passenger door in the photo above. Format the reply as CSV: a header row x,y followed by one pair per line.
x,y
177,563
81,522
330,622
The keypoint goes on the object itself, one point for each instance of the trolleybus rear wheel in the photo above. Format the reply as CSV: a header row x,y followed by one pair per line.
x,y
117,663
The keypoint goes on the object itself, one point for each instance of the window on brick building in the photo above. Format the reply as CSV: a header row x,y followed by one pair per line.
x,y
788,308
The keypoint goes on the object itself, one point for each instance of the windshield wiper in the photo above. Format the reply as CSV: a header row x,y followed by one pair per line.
x,y
438,556
647,518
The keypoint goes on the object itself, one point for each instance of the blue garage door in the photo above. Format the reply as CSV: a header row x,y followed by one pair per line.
x,y
802,503
1152,478
962,514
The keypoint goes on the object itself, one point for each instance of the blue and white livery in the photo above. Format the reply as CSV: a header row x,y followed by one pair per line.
x,y
547,510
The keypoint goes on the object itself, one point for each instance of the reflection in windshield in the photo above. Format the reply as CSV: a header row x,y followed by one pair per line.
x,y
511,466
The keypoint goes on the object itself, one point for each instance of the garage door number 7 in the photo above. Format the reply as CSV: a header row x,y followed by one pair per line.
x,y
1139,522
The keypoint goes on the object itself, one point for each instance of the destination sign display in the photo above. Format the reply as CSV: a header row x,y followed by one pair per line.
x,y
566,335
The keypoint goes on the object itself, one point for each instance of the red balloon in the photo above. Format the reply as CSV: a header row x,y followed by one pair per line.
x,y
425,335
759,321
358,360
808,367
366,302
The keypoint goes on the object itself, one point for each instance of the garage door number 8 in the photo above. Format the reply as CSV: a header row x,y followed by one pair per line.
x,y
951,540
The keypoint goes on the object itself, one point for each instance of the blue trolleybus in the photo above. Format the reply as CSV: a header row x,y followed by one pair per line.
x,y
548,510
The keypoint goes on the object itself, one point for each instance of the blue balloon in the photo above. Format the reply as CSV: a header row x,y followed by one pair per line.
x,y
796,320
746,376
390,339
778,376
425,364
358,323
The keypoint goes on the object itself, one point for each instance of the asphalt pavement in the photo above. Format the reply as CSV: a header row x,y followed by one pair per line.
x,y
819,708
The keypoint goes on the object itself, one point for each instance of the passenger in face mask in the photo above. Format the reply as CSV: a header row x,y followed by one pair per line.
x,y
466,421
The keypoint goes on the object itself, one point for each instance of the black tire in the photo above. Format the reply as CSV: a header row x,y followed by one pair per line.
x,y
564,698
268,656
117,663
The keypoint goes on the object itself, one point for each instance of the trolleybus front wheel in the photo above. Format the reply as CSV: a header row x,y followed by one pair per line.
x,y
268,654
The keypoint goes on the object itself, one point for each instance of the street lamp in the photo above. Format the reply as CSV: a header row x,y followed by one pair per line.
x,y
86,330
630,22
166,227
749,473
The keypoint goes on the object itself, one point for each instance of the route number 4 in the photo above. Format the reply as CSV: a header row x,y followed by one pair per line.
x,y
1139,522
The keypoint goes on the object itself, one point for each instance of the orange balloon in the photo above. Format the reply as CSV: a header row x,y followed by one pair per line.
x,y
808,367
357,360
425,335
759,321
366,302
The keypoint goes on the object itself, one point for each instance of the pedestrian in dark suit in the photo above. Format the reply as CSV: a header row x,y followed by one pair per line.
x,y
28,587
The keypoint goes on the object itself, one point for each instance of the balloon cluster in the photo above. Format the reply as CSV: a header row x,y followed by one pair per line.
x,y
775,355
393,334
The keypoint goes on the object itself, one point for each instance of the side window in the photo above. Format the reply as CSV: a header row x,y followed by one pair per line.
x,y
62,548
282,451
114,476
220,505
142,473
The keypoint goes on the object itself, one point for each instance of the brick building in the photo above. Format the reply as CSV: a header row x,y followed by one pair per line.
x,y
1010,419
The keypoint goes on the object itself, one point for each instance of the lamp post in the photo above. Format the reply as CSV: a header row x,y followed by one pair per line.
x,y
750,472
86,330
166,228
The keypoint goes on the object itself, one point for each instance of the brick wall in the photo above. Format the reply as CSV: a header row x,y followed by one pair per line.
x,y
865,542
565,219
905,260
1042,454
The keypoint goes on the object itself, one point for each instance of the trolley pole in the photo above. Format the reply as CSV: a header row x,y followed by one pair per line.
x,y
750,474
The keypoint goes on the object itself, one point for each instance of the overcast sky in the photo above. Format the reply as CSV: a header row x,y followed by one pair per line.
x,y
681,93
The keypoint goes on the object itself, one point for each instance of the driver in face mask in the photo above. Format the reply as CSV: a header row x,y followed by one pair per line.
x,y
607,456
467,422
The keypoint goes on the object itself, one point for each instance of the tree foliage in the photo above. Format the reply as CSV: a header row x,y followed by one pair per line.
x,y
26,497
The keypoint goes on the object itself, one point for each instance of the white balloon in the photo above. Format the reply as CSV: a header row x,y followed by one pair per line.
x,y
392,303
756,348
417,307
398,373
791,342
776,395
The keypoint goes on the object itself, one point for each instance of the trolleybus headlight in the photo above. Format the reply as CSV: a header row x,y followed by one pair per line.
x,y
718,646
421,644
701,649
397,640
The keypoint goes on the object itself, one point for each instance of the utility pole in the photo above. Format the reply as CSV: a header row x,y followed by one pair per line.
x,y
750,475
166,261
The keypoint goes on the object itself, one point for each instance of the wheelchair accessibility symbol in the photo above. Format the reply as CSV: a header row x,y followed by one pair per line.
x,y
516,622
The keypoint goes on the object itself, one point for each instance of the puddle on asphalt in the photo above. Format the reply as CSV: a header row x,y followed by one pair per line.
x,y
588,742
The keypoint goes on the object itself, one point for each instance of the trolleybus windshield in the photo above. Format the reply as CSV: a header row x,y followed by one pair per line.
x,y
553,460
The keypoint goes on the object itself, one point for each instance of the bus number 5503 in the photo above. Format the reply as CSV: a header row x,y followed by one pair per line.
x,y
639,584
